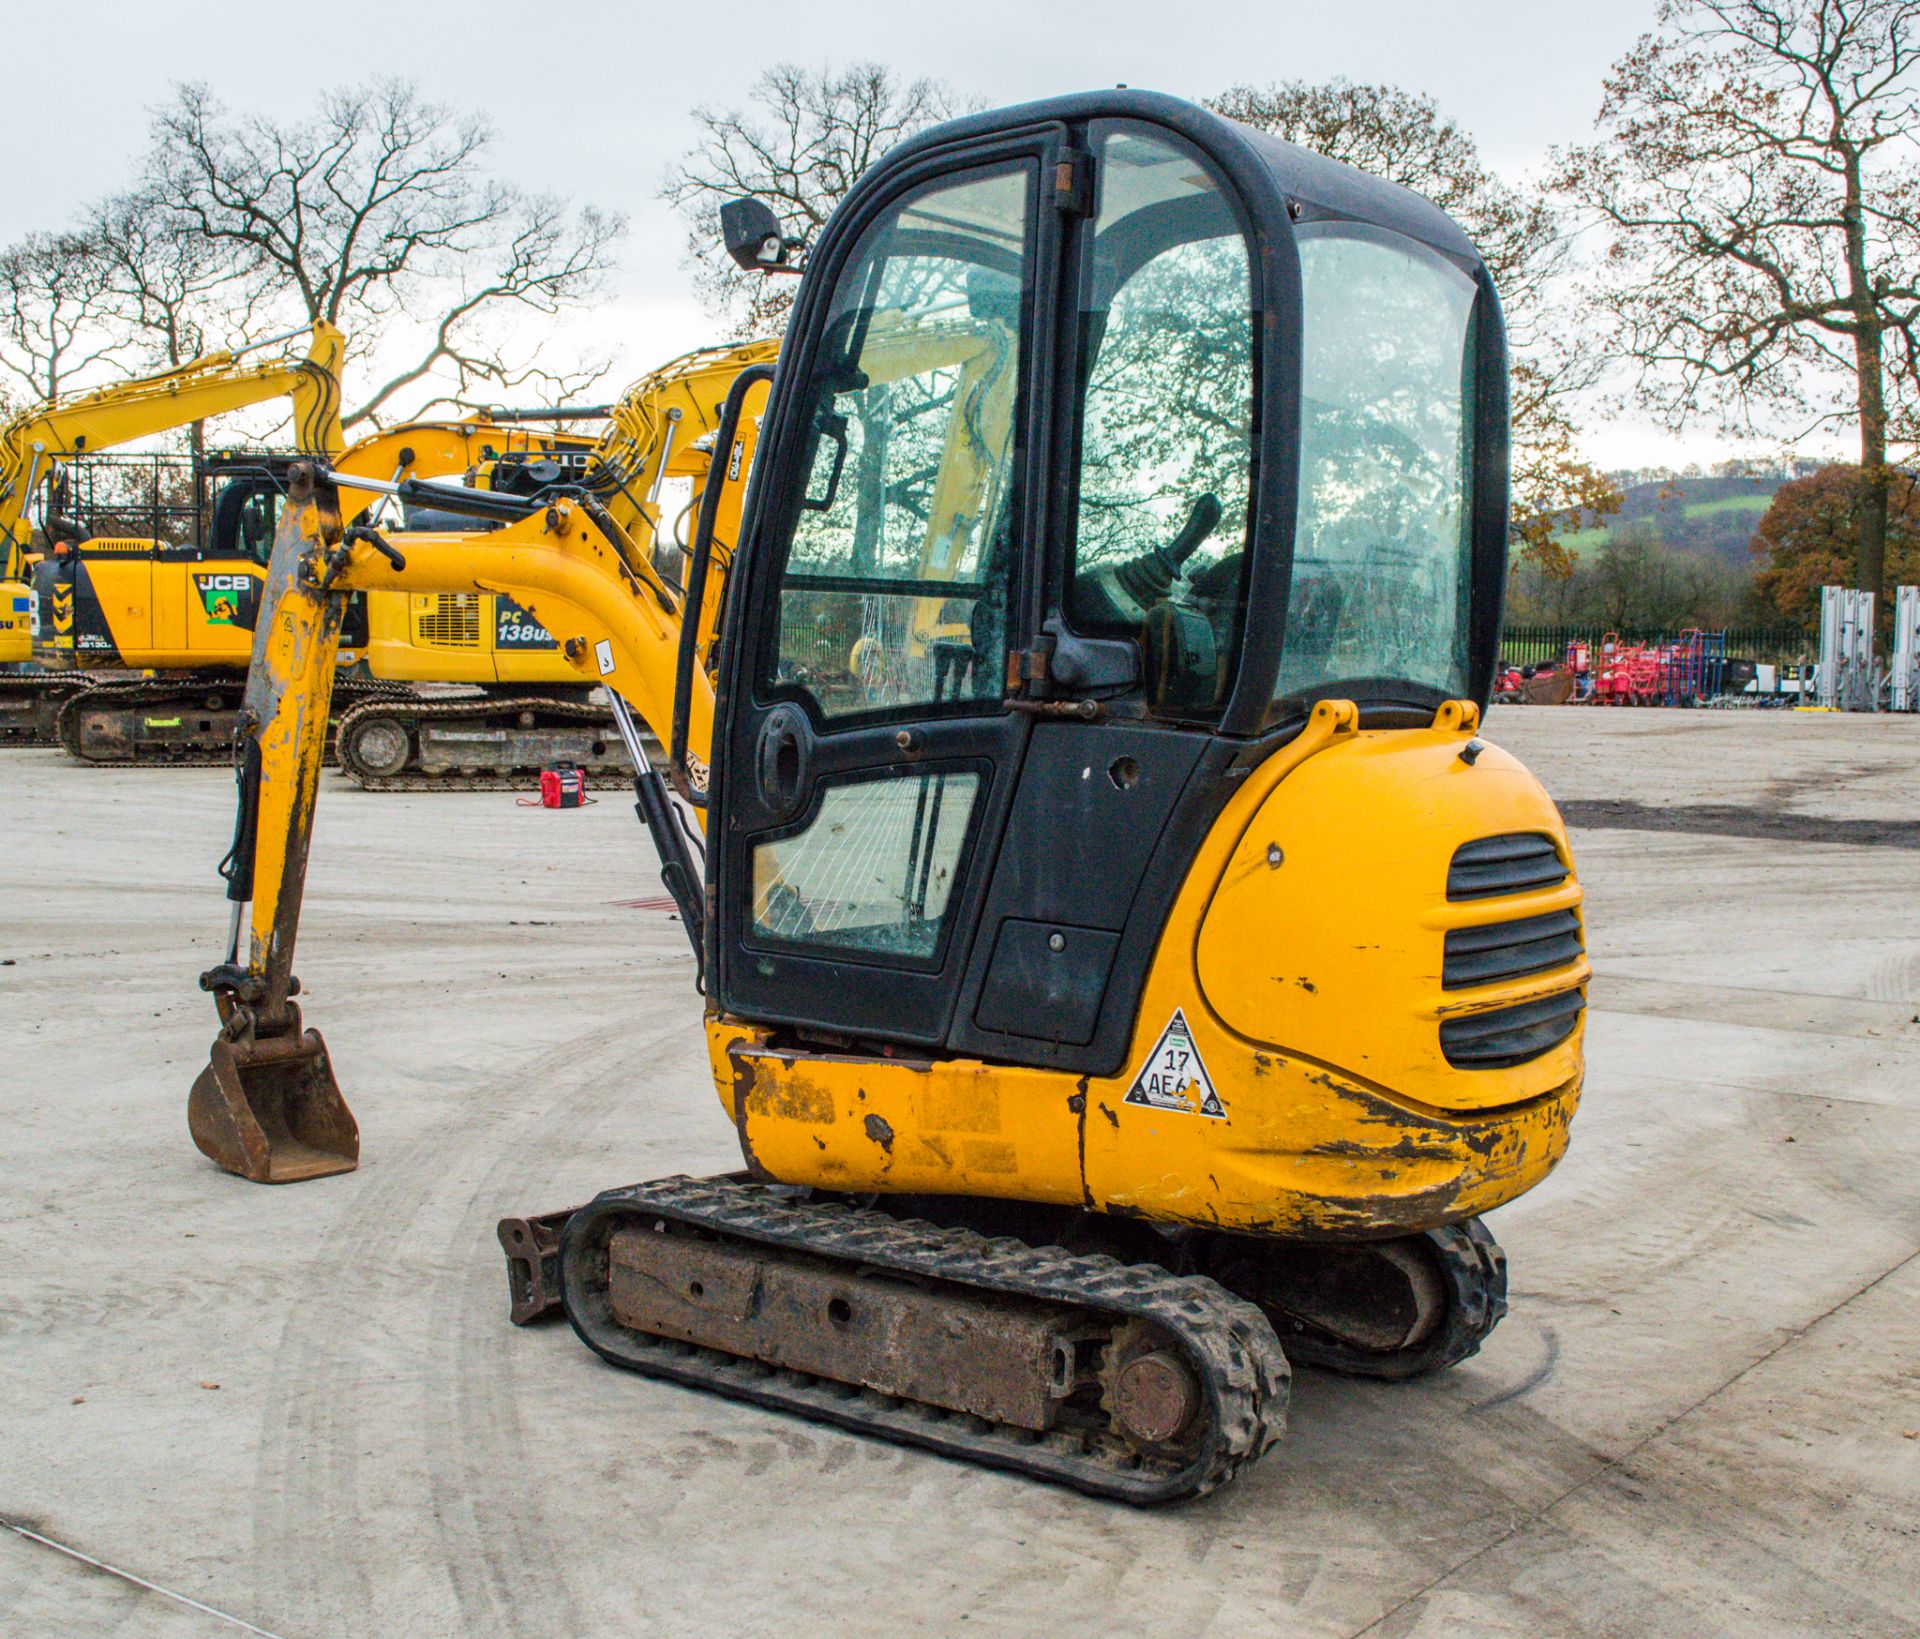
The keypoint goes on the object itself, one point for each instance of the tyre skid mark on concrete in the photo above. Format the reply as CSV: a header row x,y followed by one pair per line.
x,y
475,1433
307,1471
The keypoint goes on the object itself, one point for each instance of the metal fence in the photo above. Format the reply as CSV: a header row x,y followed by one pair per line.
x,y
1773,645
139,496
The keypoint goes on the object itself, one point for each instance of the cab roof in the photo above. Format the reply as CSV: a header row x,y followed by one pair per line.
x,y
1291,174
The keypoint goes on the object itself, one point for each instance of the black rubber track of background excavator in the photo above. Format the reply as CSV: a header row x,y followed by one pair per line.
x,y
1241,1373
30,705
133,708
483,710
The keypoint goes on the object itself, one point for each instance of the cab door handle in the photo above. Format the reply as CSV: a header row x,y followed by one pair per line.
x,y
781,761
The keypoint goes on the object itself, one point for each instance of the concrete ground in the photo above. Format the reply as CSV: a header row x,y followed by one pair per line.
x,y
304,1407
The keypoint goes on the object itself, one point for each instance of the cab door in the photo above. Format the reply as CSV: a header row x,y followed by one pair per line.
x,y
221,580
868,754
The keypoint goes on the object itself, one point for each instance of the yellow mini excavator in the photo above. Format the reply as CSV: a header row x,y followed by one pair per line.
x,y
1126,966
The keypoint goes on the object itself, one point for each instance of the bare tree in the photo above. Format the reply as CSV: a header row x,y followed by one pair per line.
x,y
1405,138
1757,172
55,313
174,294
376,215
181,294
804,143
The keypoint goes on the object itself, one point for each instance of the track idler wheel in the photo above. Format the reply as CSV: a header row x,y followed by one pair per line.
x,y
268,1107
1387,1309
379,746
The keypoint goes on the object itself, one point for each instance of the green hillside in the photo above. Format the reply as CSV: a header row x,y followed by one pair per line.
x,y
1713,515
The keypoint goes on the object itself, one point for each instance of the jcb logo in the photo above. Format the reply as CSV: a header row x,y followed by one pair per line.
x,y
223,596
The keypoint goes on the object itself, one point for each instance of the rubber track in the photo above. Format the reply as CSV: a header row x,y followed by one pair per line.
x,y
159,690
419,710
1244,1374
1474,1266
38,683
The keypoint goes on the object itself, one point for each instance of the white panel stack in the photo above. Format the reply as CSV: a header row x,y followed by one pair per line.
x,y
1846,649
1906,649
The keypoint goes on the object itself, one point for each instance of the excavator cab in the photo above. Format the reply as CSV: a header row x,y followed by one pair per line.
x,y
1111,439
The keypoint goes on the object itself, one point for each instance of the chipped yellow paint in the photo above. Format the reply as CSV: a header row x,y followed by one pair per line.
x,y
1335,952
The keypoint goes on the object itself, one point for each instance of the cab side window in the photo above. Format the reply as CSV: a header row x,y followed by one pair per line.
x,y
1166,420
246,510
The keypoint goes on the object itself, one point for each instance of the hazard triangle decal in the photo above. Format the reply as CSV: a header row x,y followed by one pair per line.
x,y
1175,1077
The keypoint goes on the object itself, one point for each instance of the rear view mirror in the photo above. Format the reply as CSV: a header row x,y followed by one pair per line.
x,y
751,233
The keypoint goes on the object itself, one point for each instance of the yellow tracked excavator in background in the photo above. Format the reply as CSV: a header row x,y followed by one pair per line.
x,y
1127,968
130,646
536,710
55,618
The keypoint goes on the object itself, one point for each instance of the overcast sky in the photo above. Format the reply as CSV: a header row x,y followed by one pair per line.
x,y
591,99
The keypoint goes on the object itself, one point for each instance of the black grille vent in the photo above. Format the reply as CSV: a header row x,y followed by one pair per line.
x,y
1510,1035
1509,864
1508,950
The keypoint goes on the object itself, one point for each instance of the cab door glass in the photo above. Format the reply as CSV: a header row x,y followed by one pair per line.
x,y
872,873
259,518
894,593
246,511
1166,425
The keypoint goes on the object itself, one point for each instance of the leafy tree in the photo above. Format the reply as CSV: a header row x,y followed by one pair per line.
x,y
1405,138
1636,580
805,140
1810,537
1757,175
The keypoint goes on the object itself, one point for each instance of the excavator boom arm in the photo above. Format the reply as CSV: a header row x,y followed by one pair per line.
x,y
213,385
267,1106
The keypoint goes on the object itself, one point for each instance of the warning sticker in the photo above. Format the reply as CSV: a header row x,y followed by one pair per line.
x,y
1175,1077
603,657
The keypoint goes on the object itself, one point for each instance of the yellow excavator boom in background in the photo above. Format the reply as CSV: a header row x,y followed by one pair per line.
x,y
655,445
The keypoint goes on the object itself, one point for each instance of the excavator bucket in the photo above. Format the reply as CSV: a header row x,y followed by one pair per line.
x,y
270,1109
